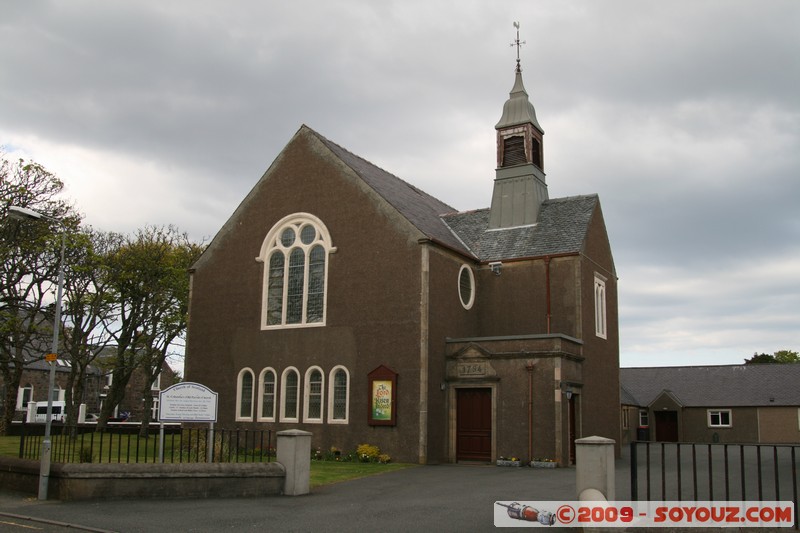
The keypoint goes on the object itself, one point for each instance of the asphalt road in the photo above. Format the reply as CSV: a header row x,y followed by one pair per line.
x,y
424,498
440,498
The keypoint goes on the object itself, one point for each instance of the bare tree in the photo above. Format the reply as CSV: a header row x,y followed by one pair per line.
x,y
90,310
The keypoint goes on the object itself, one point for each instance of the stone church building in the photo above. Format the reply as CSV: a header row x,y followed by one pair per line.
x,y
341,300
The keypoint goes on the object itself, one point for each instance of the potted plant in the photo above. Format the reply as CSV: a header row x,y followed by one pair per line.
x,y
543,463
509,461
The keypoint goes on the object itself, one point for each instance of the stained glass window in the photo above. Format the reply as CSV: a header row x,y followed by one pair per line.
x,y
245,394
295,252
290,394
339,411
268,394
314,395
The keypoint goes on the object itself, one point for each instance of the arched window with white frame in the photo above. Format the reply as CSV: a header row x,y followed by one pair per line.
x,y
244,395
290,395
295,256
314,388
339,396
267,383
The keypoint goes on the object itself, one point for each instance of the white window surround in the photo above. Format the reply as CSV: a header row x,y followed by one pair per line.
x,y
469,280
720,418
273,243
262,416
644,418
156,385
307,391
239,394
600,324
21,394
283,403
59,394
332,399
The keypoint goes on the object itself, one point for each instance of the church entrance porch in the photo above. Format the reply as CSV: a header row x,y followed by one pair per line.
x,y
513,397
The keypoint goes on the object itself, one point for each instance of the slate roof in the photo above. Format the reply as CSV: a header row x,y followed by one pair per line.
x,y
626,398
421,209
561,228
715,386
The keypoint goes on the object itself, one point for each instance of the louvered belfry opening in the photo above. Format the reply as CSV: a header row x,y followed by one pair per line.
x,y
536,152
514,151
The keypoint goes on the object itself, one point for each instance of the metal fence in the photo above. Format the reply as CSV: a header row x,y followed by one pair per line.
x,y
676,471
124,444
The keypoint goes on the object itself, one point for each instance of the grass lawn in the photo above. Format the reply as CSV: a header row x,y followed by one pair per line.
x,y
322,472
325,472
9,446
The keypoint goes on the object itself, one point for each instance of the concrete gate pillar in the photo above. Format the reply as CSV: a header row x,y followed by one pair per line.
x,y
294,453
594,464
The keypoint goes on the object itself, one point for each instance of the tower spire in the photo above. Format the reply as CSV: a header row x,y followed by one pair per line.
x,y
518,44
519,185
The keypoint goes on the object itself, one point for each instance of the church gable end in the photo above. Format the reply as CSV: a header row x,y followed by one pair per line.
x,y
332,267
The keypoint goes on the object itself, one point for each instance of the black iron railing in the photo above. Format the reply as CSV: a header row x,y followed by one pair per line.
x,y
676,471
125,443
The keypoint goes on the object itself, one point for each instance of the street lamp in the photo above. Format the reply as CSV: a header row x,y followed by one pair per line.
x,y
44,466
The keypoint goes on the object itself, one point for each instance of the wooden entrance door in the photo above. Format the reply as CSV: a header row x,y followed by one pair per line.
x,y
474,425
667,426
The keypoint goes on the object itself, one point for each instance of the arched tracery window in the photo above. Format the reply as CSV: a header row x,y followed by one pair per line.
x,y
295,257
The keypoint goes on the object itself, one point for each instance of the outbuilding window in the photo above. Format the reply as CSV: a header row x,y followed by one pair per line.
x,y
719,418
295,254
644,418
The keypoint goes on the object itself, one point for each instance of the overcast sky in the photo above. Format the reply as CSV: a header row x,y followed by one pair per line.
x,y
683,116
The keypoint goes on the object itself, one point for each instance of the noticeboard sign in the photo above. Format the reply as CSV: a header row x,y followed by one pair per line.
x,y
382,397
187,402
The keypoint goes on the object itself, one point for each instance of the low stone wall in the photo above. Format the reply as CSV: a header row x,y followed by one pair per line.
x,y
88,481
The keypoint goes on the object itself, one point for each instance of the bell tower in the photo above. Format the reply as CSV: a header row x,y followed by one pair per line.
x,y
519,185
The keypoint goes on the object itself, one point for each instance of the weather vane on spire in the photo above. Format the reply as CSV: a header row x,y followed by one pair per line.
x,y
517,43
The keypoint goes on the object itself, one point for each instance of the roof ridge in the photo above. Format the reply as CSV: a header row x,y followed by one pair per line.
x,y
697,366
574,197
467,212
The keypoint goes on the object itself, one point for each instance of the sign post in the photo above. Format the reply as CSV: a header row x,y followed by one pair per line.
x,y
187,402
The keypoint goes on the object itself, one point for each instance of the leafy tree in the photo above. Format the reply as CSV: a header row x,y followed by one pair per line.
x,y
29,261
150,276
781,356
786,356
126,293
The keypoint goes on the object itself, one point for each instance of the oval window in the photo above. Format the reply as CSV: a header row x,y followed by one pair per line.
x,y
466,286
